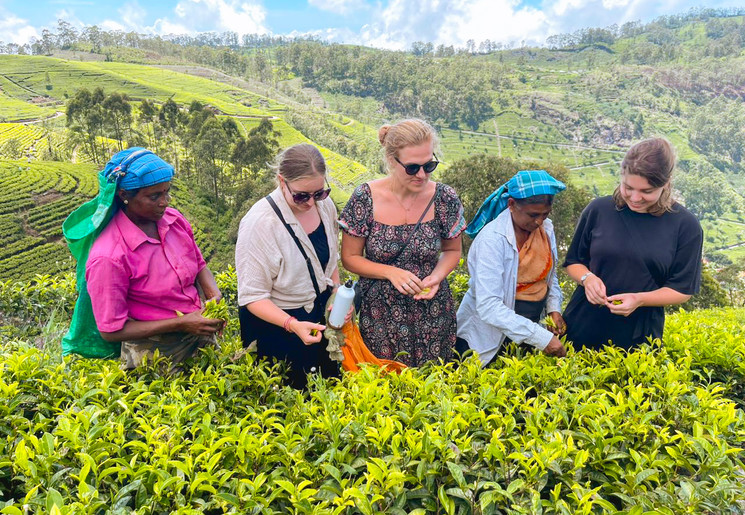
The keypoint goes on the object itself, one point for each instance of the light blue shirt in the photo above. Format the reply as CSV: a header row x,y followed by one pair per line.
x,y
487,314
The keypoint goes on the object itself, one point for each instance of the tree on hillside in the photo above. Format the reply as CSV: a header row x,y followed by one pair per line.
x,y
12,149
118,116
169,120
713,294
718,131
67,36
209,151
85,117
147,115
706,191
732,279
254,152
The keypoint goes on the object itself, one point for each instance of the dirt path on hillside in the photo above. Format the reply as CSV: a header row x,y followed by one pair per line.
x,y
544,142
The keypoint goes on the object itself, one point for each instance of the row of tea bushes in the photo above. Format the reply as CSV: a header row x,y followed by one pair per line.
x,y
610,432
713,340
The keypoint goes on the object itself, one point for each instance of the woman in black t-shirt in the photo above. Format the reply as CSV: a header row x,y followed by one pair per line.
x,y
632,254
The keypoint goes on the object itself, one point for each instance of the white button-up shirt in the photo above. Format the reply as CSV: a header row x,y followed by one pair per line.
x,y
487,314
268,263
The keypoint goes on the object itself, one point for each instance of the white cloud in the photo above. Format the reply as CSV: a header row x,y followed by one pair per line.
x,y
454,22
69,16
332,35
132,15
14,29
338,6
243,17
192,16
131,18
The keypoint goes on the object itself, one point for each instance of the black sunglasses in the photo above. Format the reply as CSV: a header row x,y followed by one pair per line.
x,y
301,197
413,169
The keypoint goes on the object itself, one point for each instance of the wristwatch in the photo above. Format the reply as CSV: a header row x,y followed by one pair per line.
x,y
582,279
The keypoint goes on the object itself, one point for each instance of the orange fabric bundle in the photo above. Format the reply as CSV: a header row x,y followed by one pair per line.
x,y
355,352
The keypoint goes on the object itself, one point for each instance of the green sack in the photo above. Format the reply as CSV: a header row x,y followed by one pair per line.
x,y
81,229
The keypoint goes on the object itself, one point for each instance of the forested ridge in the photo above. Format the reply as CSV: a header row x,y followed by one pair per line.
x,y
578,102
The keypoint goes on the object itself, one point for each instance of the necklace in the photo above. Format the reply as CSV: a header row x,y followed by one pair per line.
x,y
406,209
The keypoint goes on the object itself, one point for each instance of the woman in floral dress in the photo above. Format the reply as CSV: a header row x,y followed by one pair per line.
x,y
401,235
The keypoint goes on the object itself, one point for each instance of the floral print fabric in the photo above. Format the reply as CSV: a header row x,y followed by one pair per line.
x,y
390,322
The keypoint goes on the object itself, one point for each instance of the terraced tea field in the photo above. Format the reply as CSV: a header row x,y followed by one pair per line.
x,y
25,138
36,76
13,109
34,200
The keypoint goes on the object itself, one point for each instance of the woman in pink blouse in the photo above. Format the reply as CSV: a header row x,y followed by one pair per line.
x,y
145,267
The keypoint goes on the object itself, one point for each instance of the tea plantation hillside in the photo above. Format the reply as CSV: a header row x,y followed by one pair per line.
x,y
655,431
35,198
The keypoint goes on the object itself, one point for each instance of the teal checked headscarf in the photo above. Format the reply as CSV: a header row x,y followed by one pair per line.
x,y
524,184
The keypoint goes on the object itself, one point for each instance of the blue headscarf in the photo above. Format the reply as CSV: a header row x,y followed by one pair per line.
x,y
137,168
524,184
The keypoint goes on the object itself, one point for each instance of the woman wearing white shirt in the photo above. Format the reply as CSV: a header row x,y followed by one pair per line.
x,y
286,261
512,264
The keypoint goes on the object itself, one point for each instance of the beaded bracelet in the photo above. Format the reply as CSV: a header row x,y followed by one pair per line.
x,y
288,321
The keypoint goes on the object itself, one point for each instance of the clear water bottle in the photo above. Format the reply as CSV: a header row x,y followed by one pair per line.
x,y
342,303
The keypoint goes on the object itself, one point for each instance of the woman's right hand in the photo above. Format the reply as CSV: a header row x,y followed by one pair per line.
x,y
595,290
303,331
404,281
195,323
555,348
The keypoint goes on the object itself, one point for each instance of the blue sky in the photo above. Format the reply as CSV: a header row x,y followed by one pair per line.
x,y
391,24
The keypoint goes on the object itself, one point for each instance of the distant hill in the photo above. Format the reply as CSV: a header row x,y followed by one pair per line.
x,y
581,101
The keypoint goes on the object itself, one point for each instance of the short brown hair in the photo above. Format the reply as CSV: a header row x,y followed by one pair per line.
x,y
654,159
298,162
405,133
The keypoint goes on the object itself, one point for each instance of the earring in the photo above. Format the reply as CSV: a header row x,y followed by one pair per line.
x,y
126,202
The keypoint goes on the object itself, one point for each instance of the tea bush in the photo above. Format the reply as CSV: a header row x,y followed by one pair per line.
x,y
647,432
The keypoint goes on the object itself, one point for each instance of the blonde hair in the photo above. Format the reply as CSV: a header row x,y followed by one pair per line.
x,y
298,162
654,159
405,133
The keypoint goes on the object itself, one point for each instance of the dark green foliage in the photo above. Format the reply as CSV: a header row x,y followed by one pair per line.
x,y
705,190
712,294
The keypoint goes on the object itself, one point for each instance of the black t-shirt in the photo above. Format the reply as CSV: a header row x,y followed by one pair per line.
x,y
320,244
631,252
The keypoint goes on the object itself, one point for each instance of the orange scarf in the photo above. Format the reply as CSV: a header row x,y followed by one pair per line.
x,y
534,264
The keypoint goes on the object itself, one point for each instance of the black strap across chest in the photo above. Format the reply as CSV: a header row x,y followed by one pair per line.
x,y
419,222
297,242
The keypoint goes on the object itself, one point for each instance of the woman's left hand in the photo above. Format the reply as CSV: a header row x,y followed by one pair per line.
x,y
624,303
428,282
349,314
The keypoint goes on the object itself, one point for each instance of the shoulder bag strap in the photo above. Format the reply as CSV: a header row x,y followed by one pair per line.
x,y
416,228
297,242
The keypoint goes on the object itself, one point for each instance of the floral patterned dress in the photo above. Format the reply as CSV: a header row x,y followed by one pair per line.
x,y
391,322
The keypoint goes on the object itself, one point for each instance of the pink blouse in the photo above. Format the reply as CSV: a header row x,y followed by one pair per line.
x,y
133,276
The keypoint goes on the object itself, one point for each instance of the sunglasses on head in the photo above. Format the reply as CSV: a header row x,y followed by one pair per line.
x,y
301,197
413,169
